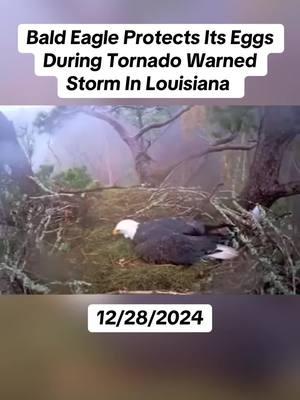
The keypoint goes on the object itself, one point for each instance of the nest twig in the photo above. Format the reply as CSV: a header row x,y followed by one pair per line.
x,y
270,251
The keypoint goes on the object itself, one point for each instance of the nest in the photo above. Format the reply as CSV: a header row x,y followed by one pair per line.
x,y
269,260
38,226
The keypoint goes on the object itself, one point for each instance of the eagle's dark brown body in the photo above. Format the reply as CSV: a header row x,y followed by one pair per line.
x,y
176,241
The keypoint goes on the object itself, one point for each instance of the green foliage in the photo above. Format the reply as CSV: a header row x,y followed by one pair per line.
x,y
234,119
138,116
141,116
49,121
44,174
73,178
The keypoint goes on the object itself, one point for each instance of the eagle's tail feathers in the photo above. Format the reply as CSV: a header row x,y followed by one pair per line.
x,y
224,253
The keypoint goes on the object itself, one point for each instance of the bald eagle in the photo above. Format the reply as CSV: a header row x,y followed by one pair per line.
x,y
175,241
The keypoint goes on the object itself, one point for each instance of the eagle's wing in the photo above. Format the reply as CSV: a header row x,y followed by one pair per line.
x,y
171,225
174,248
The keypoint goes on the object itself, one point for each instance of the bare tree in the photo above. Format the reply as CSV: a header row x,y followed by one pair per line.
x,y
137,144
26,136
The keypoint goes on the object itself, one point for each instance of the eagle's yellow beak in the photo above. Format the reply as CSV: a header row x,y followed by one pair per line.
x,y
115,231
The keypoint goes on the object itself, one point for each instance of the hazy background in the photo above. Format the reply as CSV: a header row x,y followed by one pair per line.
x,y
87,141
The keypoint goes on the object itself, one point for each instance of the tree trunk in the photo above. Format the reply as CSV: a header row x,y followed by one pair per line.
x,y
13,156
137,144
141,159
279,128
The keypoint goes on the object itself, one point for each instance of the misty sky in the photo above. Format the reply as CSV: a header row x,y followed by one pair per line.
x,y
23,114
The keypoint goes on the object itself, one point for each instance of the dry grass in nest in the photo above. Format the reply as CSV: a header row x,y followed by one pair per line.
x,y
87,258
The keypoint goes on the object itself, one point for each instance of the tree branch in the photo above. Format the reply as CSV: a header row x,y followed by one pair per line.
x,y
287,189
227,139
122,131
211,149
156,125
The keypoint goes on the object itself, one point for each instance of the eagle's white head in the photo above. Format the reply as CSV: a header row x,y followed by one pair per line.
x,y
126,227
